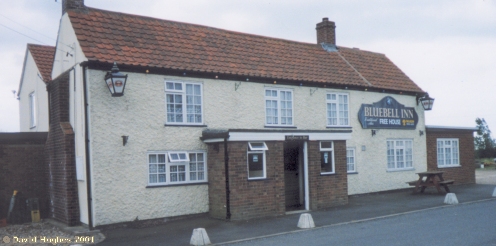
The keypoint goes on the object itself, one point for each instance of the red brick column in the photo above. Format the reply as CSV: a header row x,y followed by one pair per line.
x,y
60,155
327,190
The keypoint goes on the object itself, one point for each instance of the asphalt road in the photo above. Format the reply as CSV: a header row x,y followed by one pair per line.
x,y
464,224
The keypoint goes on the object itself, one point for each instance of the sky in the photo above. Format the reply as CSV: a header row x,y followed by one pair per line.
x,y
447,47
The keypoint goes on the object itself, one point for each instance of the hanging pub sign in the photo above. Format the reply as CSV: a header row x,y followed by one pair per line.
x,y
387,114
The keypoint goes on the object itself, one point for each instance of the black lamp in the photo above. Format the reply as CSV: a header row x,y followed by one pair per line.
x,y
116,81
426,101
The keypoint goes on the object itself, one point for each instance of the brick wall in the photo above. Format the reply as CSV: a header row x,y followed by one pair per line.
x,y
262,198
327,190
216,180
60,155
22,168
248,198
465,174
256,198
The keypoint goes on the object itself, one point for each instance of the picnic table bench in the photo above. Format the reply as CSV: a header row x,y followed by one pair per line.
x,y
430,179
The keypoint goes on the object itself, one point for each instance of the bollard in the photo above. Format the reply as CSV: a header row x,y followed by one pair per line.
x,y
199,237
306,221
494,192
451,199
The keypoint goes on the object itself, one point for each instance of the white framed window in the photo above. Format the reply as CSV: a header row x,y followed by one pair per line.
x,y
399,154
178,156
257,146
184,102
447,152
350,160
278,107
338,109
256,160
32,110
163,171
327,157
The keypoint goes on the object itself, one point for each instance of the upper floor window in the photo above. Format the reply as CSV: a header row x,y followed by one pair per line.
x,y
447,152
399,154
278,107
32,110
337,109
175,168
184,102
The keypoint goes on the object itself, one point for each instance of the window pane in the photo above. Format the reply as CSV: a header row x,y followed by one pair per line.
x,y
161,168
153,178
326,145
326,162
170,85
255,165
161,158
161,178
152,159
178,86
153,168
197,90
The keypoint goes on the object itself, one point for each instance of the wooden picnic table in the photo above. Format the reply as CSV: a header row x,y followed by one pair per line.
x,y
430,179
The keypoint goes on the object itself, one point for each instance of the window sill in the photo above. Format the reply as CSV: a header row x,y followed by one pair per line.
x,y
271,126
257,179
327,174
400,170
449,166
352,172
184,125
345,127
169,185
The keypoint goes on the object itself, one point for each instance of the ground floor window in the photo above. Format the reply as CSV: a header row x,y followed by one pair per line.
x,y
399,154
166,168
326,157
256,160
350,160
447,152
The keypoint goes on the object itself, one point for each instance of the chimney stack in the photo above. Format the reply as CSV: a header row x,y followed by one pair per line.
x,y
72,4
326,32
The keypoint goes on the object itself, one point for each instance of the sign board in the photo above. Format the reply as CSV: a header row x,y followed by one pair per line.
x,y
387,114
296,138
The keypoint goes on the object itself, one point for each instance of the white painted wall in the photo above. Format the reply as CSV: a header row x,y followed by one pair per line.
x,y
120,172
371,164
32,82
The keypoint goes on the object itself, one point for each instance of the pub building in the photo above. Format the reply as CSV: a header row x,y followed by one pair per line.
x,y
205,120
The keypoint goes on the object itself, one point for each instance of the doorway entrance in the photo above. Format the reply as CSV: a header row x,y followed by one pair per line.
x,y
294,178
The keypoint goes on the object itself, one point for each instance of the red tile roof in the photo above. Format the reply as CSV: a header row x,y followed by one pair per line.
x,y
43,57
127,39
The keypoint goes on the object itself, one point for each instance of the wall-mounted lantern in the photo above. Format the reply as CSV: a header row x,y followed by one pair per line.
x,y
116,81
426,101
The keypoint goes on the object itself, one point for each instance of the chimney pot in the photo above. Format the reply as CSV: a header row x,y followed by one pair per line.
x,y
326,32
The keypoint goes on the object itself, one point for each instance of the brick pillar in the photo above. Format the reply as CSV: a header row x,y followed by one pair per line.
x,y
326,32
60,155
